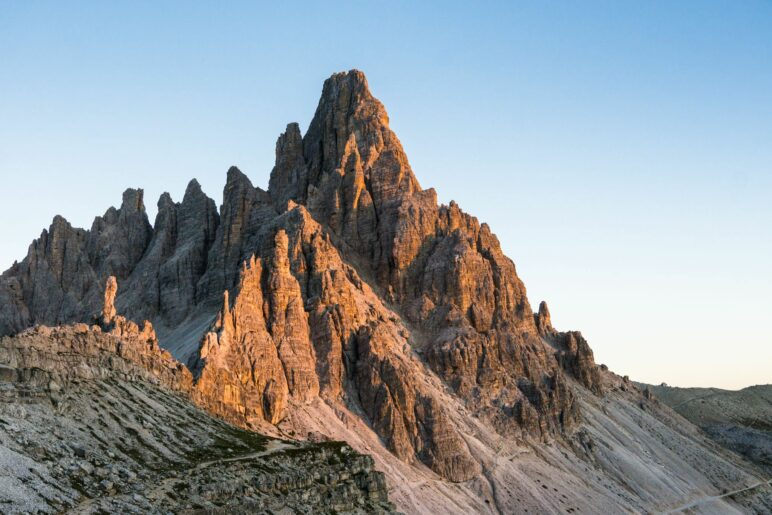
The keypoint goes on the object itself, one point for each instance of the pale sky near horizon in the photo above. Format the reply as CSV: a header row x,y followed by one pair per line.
x,y
621,151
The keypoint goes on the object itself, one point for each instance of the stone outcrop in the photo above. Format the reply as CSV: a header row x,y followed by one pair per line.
x,y
44,360
102,422
164,283
577,358
572,351
345,283
117,240
239,363
289,177
108,310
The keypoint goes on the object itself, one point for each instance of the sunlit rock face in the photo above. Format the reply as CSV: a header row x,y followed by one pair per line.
x,y
344,283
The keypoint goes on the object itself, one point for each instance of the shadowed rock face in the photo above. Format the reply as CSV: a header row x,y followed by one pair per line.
x,y
245,209
65,269
344,282
163,285
573,352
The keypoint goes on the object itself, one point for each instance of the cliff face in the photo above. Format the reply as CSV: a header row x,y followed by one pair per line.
x,y
64,271
164,283
346,281
305,325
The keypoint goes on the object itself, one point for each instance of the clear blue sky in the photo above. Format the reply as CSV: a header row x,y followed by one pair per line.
x,y
622,151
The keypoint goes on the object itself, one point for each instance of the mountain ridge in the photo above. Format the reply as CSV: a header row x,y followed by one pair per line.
x,y
345,293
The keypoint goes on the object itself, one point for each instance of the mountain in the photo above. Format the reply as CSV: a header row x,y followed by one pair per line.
x,y
739,420
345,303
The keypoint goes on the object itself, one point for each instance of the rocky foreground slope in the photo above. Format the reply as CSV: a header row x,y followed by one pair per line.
x,y
97,422
345,303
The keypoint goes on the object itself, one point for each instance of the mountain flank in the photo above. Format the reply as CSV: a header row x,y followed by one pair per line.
x,y
739,420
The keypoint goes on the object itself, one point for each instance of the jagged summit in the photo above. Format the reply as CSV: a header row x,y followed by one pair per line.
x,y
348,110
193,188
349,123
543,319
133,200
289,177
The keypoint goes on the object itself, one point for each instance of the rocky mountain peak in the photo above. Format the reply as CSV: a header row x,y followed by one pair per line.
x,y
354,80
289,177
132,201
193,190
165,201
347,108
543,320
59,222
235,178
345,283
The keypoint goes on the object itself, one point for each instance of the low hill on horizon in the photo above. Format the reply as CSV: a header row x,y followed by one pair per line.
x,y
740,420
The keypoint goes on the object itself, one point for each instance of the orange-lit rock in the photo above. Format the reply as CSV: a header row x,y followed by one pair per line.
x,y
345,284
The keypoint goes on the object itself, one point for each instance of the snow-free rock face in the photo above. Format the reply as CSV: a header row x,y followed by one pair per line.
x,y
346,280
64,271
345,302
443,271
164,282
283,345
244,210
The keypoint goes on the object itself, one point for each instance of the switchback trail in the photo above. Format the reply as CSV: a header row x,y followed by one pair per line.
x,y
697,502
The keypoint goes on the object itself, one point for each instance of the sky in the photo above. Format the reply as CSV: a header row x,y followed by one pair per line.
x,y
621,151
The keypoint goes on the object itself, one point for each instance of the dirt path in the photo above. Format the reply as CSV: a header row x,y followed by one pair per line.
x,y
693,399
272,447
704,500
